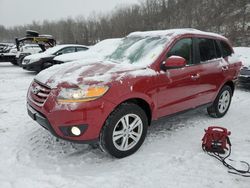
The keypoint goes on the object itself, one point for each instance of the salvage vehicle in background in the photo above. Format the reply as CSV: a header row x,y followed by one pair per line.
x,y
25,50
16,54
98,51
40,61
8,53
5,47
150,75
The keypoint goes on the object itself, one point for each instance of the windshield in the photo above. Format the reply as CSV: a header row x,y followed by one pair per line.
x,y
139,49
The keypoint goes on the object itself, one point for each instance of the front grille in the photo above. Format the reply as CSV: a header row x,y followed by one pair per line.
x,y
39,93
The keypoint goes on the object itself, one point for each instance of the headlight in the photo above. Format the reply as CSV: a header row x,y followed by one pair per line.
x,y
25,61
33,60
73,95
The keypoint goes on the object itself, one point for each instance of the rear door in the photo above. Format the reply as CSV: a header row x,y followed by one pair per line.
x,y
234,64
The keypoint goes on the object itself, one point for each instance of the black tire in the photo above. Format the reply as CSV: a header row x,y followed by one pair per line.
x,y
114,121
14,62
20,60
214,110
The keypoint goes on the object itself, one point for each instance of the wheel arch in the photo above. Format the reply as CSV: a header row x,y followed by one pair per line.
x,y
143,104
231,84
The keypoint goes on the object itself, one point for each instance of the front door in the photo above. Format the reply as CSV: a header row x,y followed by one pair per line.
x,y
178,89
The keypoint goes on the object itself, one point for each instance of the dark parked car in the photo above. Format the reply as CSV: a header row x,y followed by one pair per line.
x,y
40,61
150,75
244,77
243,53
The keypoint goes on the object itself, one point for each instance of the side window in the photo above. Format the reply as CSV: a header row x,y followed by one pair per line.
x,y
226,50
207,49
66,50
217,49
182,48
78,49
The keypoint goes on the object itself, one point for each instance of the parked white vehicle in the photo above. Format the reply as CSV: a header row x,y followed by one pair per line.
x,y
29,49
25,50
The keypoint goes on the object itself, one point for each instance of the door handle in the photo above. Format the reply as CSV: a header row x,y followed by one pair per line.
x,y
224,68
195,76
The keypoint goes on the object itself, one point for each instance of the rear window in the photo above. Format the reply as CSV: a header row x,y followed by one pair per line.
x,y
226,50
207,49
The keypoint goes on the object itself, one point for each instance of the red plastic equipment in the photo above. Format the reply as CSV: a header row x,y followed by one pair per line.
x,y
216,139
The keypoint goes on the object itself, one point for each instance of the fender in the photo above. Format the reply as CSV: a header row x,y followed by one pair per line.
x,y
136,95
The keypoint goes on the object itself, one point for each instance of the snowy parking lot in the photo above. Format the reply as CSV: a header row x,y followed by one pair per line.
x,y
171,156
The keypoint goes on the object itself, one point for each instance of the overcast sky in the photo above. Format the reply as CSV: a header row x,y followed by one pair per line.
x,y
19,12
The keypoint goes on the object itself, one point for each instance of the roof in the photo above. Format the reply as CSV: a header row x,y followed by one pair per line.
x,y
175,32
69,45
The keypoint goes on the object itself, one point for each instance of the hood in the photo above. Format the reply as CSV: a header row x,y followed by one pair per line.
x,y
89,73
38,56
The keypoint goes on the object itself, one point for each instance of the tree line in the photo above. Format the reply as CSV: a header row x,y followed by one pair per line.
x,y
230,18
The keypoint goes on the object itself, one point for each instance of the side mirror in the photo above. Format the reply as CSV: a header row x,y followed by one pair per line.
x,y
59,53
174,62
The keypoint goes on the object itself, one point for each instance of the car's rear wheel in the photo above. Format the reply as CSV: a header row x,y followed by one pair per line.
x,y
221,103
124,130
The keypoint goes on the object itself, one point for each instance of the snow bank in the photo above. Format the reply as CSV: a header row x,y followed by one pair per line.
x,y
243,53
100,50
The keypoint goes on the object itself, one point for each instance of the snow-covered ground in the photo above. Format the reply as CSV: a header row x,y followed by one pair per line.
x,y
170,157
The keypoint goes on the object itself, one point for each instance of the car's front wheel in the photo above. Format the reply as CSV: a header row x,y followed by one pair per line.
x,y
124,130
221,103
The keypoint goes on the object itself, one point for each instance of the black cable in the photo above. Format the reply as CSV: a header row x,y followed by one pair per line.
x,y
244,173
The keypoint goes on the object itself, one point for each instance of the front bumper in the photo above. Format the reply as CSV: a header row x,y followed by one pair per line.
x,y
44,122
35,66
56,117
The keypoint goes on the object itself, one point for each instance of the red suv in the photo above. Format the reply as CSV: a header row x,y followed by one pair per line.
x,y
150,75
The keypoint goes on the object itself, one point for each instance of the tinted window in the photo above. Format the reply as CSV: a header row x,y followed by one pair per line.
x,y
217,49
182,48
226,50
78,49
207,49
66,50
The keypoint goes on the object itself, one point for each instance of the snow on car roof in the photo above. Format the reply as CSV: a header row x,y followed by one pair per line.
x,y
174,32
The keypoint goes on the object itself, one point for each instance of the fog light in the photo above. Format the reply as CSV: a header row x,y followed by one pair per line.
x,y
75,131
